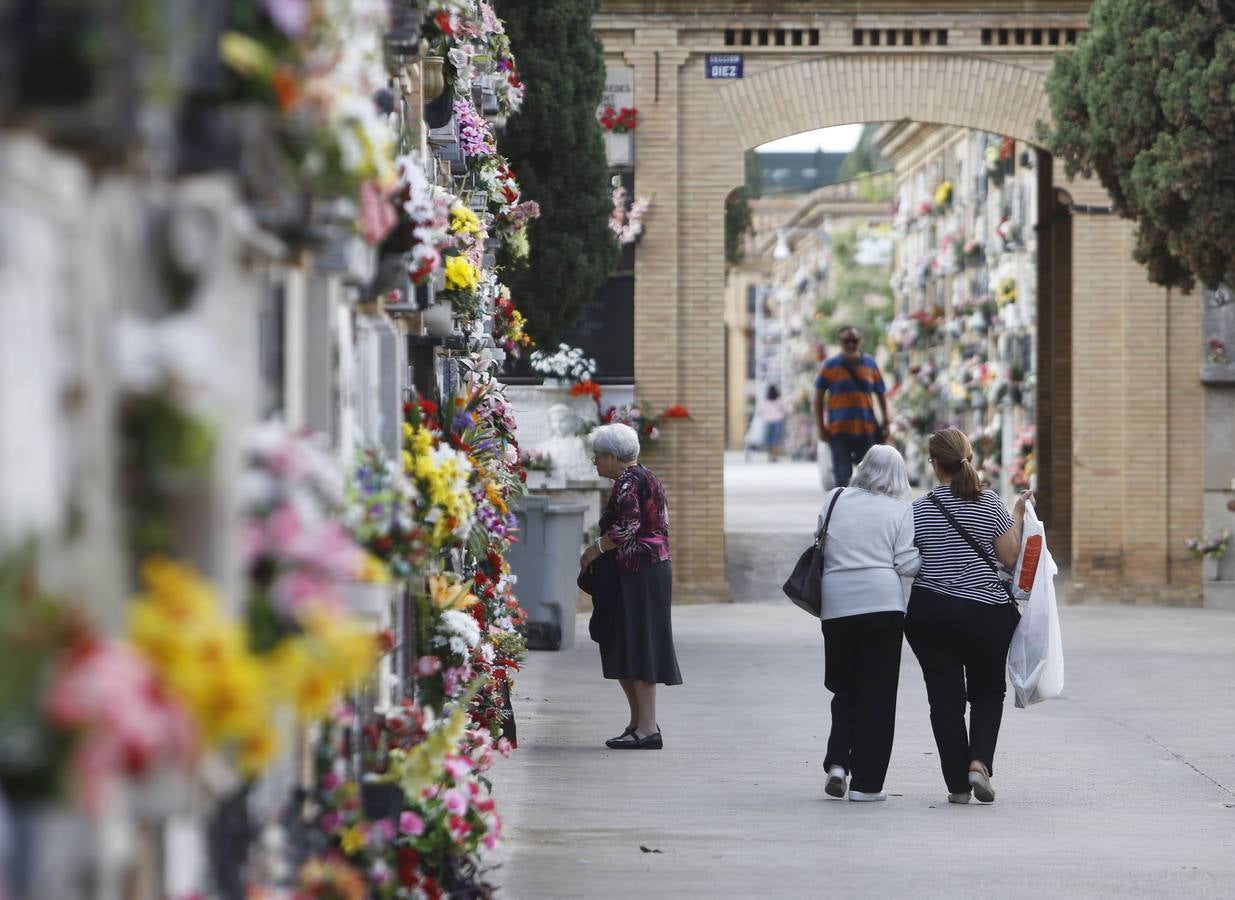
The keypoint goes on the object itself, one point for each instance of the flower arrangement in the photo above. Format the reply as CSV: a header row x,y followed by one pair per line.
x,y
475,136
974,251
587,389
78,711
1007,149
537,461
422,224
566,363
925,208
619,121
1005,292
384,513
1021,469
509,325
1212,545
627,224
943,196
1215,351
1009,232
439,473
649,427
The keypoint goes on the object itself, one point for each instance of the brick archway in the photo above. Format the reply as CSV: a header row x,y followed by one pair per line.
x,y
692,133
853,88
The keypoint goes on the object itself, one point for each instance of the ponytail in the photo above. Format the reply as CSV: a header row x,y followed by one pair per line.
x,y
966,485
950,448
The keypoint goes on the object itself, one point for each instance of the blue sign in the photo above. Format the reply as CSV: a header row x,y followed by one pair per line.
x,y
724,65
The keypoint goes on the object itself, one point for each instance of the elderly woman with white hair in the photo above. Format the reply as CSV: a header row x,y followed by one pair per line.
x,y
869,547
631,574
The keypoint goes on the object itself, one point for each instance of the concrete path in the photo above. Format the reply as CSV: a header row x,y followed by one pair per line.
x,y
1124,788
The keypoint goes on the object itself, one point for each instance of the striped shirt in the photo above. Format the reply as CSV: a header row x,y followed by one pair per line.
x,y
851,408
949,565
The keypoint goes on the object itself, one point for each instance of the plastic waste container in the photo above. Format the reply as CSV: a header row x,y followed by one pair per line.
x,y
546,562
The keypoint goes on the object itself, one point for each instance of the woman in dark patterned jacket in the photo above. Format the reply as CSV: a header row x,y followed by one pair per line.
x,y
634,578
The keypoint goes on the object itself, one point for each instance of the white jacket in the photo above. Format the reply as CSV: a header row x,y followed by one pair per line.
x,y
870,545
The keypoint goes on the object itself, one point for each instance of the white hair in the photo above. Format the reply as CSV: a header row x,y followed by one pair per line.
x,y
620,440
882,471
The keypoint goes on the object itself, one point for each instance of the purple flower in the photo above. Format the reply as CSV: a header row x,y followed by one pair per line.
x,y
330,821
455,802
291,16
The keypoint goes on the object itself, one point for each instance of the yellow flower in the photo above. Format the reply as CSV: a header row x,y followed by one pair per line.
x,y
352,839
461,275
243,54
463,220
450,594
256,750
372,570
943,193
421,766
1005,293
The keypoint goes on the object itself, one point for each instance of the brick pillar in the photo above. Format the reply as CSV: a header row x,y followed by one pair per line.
x,y
679,342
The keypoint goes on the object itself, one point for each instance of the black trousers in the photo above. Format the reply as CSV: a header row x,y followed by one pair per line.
x,y
847,451
962,647
862,662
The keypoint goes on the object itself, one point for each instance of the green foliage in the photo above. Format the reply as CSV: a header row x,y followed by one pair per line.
x,y
754,175
864,158
851,290
555,146
738,224
1147,103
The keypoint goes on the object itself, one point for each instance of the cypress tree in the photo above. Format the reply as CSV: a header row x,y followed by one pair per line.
x,y
556,149
1147,102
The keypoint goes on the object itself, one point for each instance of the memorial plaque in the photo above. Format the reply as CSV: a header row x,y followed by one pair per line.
x,y
606,331
1218,335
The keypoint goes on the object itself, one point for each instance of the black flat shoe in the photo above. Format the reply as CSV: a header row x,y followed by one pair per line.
x,y
631,741
629,730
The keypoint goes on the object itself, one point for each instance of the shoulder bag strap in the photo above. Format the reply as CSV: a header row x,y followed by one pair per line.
x,y
977,548
822,534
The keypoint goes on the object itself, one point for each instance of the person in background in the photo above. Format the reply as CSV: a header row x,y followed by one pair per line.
x,y
851,380
961,616
772,412
869,547
636,646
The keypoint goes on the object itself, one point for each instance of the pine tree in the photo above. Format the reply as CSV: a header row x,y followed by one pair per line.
x,y
555,147
1147,102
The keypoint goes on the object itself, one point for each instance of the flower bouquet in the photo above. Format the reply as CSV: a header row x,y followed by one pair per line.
x,y
619,121
1212,545
567,363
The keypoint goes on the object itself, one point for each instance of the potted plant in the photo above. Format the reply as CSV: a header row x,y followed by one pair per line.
x,y
1209,548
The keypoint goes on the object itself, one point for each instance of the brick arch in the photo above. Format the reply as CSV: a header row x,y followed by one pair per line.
x,y
851,88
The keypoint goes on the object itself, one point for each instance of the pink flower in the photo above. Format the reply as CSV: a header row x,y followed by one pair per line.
x,y
384,829
459,829
504,747
377,215
330,821
455,802
427,666
458,768
330,781
410,823
379,873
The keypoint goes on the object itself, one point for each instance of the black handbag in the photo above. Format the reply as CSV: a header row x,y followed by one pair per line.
x,y
600,579
805,586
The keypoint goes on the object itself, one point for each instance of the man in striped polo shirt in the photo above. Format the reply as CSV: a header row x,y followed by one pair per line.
x,y
849,378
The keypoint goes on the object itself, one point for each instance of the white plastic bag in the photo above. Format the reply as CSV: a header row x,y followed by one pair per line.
x,y
1035,658
823,457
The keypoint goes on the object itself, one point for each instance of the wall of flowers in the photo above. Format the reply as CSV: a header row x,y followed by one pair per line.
x,y
260,629
963,341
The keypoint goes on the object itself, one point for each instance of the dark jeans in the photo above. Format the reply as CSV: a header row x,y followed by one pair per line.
x,y
847,452
862,663
962,646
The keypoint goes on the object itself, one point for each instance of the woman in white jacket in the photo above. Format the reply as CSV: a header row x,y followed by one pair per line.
x,y
870,545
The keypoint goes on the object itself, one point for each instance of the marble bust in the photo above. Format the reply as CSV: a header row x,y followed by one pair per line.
x,y
572,460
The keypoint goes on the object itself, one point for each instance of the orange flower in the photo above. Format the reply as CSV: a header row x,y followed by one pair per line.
x,y
677,411
286,90
586,388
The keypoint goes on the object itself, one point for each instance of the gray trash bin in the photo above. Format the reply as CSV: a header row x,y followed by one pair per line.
x,y
546,562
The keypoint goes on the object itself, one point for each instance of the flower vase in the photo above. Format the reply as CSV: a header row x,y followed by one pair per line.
x,y
439,320
620,148
1209,566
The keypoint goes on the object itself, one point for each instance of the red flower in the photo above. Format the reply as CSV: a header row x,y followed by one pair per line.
x,y
407,861
429,408
588,389
677,411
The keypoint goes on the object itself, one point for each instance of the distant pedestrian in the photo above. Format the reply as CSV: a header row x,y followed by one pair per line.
x,y
870,545
772,411
632,584
851,380
961,614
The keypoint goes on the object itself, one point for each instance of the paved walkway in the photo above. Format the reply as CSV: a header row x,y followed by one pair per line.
x,y
1124,788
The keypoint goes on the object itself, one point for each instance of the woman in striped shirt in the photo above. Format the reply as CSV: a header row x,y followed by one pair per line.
x,y
961,616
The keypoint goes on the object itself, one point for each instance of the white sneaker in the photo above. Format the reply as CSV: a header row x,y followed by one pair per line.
x,y
959,798
863,796
836,782
981,785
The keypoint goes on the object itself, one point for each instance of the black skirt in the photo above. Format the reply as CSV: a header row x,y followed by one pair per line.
x,y
633,625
